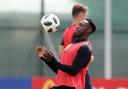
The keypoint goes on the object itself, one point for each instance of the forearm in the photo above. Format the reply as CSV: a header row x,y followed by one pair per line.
x,y
52,67
81,60
65,68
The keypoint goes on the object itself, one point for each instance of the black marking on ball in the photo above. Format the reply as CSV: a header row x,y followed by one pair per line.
x,y
50,30
57,27
46,16
54,19
47,23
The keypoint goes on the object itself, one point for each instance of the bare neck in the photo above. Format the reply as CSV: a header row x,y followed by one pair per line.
x,y
75,21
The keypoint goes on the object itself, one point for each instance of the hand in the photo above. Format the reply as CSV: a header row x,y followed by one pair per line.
x,y
42,53
47,55
39,52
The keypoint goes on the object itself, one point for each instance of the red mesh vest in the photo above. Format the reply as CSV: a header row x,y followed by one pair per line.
x,y
67,58
68,35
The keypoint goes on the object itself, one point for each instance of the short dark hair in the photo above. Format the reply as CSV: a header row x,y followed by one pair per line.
x,y
77,8
92,24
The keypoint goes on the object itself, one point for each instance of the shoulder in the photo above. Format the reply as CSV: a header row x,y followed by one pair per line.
x,y
70,28
85,48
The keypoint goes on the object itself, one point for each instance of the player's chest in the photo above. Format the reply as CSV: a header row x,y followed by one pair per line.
x,y
71,48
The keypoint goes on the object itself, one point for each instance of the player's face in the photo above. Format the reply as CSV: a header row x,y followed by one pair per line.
x,y
82,28
81,16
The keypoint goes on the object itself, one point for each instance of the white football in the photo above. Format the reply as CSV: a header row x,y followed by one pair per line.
x,y
50,23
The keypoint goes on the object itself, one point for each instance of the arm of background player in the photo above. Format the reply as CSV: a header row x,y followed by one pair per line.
x,y
61,47
52,67
82,59
92,59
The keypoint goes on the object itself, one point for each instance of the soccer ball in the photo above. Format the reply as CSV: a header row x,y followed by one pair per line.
x,y
50,23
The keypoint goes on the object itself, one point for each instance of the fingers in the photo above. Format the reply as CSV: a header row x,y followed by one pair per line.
x,y
39,49
47,53
43,53
51,52
39,52
40,55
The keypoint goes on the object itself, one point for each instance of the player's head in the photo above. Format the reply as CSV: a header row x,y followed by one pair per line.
x,y
85,28
79,12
